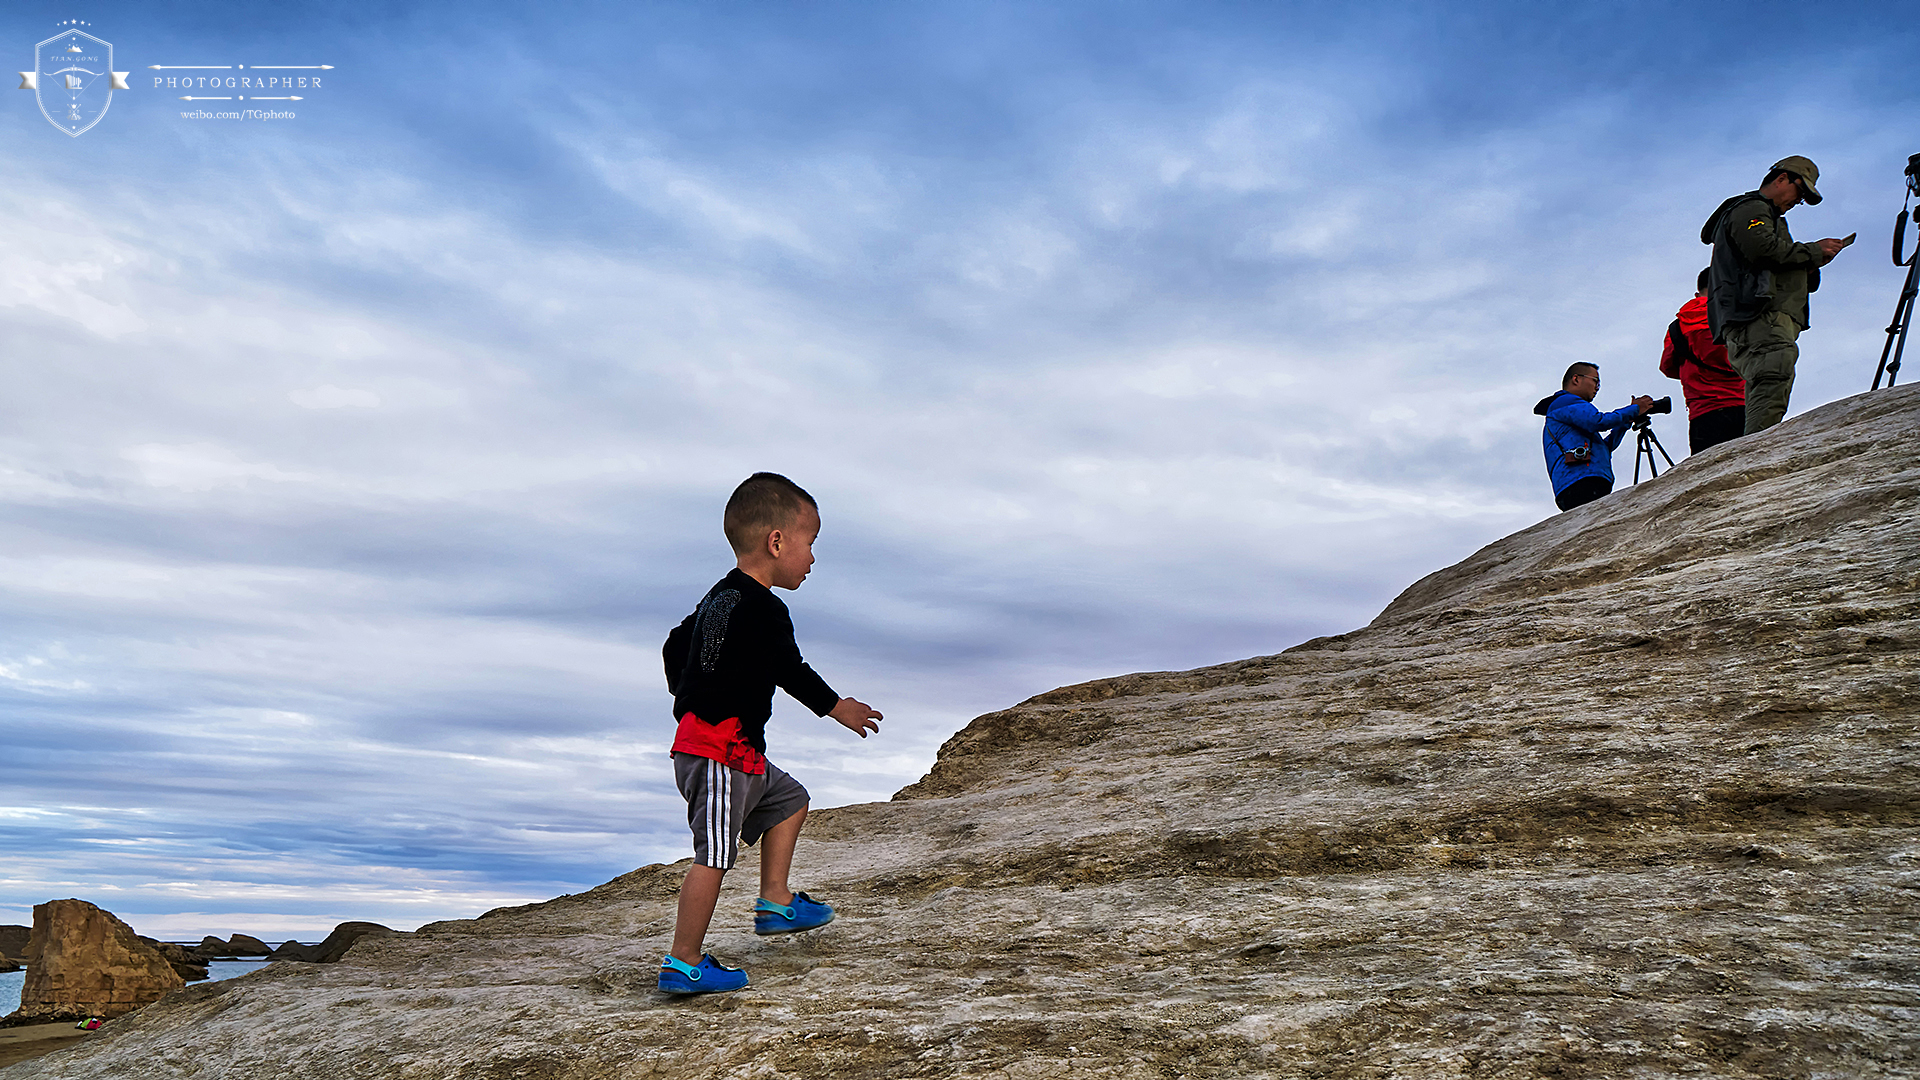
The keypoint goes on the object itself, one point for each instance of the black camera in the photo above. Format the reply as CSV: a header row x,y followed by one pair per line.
x,y
1913,174
1664,404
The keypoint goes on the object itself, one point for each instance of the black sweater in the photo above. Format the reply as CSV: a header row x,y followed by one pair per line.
x,y
727,657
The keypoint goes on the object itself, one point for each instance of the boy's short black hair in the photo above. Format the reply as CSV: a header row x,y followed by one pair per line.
x,y
1700,283
763,502
1574,369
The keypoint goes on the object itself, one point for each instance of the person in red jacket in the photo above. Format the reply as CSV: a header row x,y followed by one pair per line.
x,y
1716,394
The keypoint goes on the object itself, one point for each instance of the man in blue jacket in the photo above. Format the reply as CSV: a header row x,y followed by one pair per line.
x,y
1579,457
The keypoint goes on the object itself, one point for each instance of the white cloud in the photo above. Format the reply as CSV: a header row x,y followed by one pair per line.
x,y
53,258
329,396
201,467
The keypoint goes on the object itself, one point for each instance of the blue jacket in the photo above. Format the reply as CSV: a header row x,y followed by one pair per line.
x,y
1573,422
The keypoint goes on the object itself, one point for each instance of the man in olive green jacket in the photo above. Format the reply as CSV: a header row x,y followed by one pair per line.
x,y
1758,284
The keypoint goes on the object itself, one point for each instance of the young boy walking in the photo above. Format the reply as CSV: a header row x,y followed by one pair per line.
x,y
723,663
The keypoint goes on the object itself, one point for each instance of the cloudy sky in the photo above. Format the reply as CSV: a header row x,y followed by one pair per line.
x,y
353,465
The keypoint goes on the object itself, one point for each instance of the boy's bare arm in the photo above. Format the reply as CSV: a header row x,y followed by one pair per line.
x,y
856,716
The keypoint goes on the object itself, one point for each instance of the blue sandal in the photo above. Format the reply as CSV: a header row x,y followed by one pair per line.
x,y
804,913
711,977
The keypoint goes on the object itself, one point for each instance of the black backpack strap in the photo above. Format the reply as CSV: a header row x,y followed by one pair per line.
x,y
1682,348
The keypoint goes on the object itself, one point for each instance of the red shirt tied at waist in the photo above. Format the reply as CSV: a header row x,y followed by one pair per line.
x,y
1700,365
722,742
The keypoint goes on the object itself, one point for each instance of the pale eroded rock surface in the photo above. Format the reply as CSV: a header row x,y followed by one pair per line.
x,y
82,961
1631,793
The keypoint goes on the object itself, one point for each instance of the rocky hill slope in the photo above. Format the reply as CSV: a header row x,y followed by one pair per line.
x,y
1631,793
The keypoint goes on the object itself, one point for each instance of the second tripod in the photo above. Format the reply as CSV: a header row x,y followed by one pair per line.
x,y
1902,318
1903,309
1645,443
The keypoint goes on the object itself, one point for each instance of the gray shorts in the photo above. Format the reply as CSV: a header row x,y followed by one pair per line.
x,y
726,806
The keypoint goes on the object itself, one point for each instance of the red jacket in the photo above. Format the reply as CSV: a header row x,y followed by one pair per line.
x,y
1699,364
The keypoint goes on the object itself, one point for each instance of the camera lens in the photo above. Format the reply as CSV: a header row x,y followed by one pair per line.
x,y
1664,404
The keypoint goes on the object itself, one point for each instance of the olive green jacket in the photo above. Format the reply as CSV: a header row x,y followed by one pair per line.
x,y
1757,265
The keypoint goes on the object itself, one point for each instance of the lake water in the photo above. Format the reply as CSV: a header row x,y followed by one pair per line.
x,y
12,981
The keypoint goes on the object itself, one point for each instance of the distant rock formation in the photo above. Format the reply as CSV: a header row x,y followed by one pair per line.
x,y
293,950
1630,793
212,948
343,938
244,945
13,942
13,947
188,963
81,961
333,948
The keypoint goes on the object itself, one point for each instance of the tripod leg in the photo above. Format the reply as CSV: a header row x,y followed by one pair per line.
x,y
1897,330
1906,320
1662,449
1644,446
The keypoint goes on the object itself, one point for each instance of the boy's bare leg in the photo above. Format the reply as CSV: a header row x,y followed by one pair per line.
x,y
776,857
698,895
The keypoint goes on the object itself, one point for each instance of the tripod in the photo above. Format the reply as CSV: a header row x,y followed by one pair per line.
x,y
1903,308
1644,446
1902,313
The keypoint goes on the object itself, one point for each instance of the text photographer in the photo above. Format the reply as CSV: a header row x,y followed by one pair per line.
x,y
1579,453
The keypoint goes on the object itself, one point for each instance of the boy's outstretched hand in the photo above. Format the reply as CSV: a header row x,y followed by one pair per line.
x,y
855,716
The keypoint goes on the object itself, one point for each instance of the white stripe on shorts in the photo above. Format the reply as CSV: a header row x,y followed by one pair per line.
x,y
716,812
720,829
